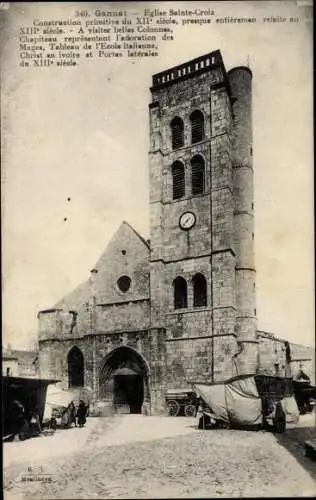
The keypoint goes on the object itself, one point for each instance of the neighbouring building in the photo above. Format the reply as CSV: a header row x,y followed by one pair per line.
x,y
155,315
9,365
19,363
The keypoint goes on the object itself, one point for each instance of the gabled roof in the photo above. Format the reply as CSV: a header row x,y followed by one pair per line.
x,y
74,299
9,357
119,233
80,295
19,354
147,242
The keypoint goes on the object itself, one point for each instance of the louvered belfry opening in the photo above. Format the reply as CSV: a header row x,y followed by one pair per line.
x,y
180,293
197,174
197,126
199,290
177,133
178,180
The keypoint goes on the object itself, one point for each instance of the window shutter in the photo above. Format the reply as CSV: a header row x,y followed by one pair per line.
x,y
177,133
197,175
197,127
178,179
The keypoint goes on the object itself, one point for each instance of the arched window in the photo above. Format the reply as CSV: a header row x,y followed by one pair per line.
x,y
199,290
197,174
178,180
197,126
75,368
180,293
177,133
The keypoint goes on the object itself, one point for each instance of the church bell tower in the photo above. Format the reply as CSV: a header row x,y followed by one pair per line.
x,y
201,224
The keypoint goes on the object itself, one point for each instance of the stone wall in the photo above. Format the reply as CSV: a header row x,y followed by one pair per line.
x,y
240,79
58,323
53,355
53,358
280,357
189,360
134,315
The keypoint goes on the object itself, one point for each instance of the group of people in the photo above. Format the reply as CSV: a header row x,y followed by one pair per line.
x,y
21,422
25,422
79,416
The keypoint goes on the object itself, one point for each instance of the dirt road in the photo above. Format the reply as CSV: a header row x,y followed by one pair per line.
x,y
153,457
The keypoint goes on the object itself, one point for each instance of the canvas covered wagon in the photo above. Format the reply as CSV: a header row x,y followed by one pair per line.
x,y
247,401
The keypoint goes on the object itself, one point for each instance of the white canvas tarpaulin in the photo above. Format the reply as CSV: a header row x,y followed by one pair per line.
x,y
291,410
243,402
57,397
214,397
236,401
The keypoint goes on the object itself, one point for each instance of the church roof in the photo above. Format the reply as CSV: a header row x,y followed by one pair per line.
x,y
124,228
147,242
138,261
74,299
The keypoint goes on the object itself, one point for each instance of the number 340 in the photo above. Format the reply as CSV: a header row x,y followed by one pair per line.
x,y
81,13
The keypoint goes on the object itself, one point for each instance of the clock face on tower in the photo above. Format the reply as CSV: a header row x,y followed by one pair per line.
x,y
187,220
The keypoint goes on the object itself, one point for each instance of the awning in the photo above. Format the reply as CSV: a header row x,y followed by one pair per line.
x,y
59,397
9,381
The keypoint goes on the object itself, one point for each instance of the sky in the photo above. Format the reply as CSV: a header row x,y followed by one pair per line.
x,y
82,133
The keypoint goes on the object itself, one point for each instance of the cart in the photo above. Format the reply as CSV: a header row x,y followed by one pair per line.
x,y
181,402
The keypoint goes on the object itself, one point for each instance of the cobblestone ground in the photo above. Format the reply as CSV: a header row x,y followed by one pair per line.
x,y
154,457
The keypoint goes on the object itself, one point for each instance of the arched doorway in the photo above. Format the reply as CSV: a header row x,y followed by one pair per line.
x,y
75,367
123,380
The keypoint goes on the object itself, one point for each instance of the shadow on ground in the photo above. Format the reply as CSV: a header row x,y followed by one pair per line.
x,y
293,440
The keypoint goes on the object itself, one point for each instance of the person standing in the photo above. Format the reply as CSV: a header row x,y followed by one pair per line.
x,y
81,413
72,414
279,419
17,418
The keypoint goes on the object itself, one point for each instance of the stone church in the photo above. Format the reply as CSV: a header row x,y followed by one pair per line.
x,y
159,314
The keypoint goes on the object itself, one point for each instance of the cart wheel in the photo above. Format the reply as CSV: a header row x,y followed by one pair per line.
x,y
189,411
173,408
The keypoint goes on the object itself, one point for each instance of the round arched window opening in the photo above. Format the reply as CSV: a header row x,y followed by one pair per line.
x,y
124,283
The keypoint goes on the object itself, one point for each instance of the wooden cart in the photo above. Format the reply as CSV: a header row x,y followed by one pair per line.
x,y
181,402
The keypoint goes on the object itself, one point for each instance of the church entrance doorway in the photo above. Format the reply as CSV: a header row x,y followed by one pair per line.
x,y
128,390
123,381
